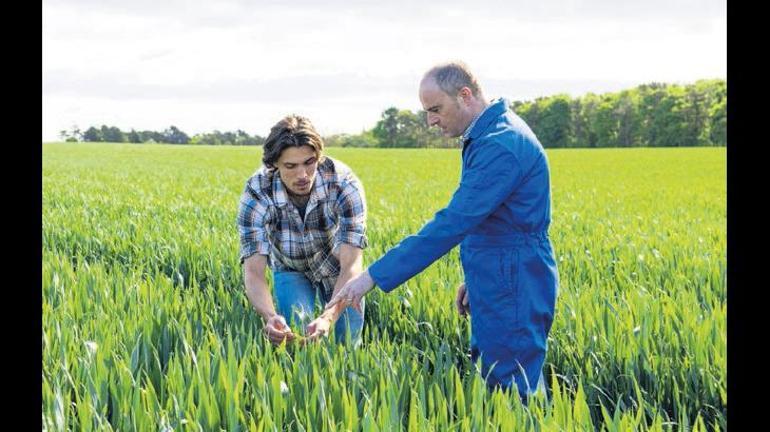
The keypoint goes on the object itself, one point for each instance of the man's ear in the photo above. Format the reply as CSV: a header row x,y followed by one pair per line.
x,y
465,94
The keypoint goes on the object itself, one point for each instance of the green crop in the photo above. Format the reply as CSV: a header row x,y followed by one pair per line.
x,y
146,325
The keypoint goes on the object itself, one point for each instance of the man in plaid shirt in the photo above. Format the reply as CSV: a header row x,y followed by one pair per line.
x,y
304,215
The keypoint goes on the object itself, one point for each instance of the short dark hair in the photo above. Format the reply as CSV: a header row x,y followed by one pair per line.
x,y
451,77
291,131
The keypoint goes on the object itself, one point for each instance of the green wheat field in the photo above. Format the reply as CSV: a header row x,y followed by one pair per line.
x,y
146,325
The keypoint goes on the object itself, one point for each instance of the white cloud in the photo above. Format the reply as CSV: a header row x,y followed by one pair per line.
x,y
141,63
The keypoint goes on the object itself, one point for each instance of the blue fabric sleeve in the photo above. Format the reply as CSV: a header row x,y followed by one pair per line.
x,y
491,176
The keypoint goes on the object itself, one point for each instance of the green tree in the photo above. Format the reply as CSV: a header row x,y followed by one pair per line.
x,y
715,104
654,106
241,137
410,130
401,128
74,134
93,134
133,136
673,116
695,115
718,123
173,135
386,128
151,137
530,113
553,127
588,106
112,134
365,139
604,122
628,119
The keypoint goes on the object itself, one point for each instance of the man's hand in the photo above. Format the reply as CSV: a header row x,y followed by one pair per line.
x,y
461,301
353,291
318,328
277,330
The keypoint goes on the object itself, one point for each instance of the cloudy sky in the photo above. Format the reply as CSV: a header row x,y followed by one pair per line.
x,y
229,64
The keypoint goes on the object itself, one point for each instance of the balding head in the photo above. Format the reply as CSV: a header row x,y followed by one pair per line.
x,y
451,97
451,77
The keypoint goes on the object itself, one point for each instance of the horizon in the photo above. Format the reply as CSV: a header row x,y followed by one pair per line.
x,y
83,129
119,64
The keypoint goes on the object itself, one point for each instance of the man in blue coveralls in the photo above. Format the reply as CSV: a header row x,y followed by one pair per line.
x,y
499,215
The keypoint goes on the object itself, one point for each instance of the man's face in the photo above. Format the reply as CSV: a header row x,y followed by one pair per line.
x,y
297,166
447,112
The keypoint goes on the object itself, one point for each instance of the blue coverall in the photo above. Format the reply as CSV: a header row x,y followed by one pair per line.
x,y
499,214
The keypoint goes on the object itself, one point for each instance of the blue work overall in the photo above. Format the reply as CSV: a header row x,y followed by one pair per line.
x,y
500,214
510,281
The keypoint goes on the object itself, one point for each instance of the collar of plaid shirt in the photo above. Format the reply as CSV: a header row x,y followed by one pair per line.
x,y
318,194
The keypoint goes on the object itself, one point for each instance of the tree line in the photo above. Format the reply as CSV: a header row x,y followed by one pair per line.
x,y
171,135
649,115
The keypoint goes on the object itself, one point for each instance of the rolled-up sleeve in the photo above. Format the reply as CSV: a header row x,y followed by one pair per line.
x,y
252,220
351,208
488,180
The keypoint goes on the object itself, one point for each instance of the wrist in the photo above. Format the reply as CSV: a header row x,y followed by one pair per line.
x,y
349,273
370,277
329,315
332,313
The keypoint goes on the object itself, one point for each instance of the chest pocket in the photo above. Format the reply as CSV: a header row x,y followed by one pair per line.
x,y
327,216
327,219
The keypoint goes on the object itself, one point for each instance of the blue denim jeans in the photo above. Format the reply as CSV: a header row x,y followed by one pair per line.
x,y
297,298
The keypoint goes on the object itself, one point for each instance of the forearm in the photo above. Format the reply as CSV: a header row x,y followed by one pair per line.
x,y
351,264
260,298
472,203
333,313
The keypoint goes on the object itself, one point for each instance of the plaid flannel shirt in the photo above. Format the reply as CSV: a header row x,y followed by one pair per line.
x,y
269,223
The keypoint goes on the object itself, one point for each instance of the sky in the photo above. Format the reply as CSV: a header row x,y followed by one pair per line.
x,y
235,64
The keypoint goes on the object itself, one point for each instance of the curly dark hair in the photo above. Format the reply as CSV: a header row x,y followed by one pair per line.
x,y
291,131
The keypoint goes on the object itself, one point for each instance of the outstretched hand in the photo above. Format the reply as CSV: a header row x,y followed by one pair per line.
x,y
352,292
